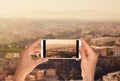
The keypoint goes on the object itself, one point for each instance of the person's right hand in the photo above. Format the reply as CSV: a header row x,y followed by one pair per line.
x,y
88,61
26,63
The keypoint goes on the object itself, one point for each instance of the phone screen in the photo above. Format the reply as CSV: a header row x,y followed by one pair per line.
x,y
53,48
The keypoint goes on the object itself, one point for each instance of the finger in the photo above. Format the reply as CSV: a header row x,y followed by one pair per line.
x,y
41,60
82,52
35,44
36,51
88,49
85,43
37,48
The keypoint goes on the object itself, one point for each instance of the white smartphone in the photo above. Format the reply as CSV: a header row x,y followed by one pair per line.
x,y
60,48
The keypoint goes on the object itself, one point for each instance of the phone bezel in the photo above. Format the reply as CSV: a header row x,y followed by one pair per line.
x,y
43,48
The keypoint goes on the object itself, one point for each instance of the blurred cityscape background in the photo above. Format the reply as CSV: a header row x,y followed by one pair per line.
x,y
104,38
24,21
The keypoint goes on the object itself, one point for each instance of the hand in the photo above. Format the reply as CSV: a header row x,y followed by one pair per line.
x,y
88,61
26,63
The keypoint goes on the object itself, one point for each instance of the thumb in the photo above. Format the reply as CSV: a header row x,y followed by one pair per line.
x,y
41,60
82,52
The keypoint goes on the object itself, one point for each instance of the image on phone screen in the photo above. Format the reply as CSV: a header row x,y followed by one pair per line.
x,y
53,48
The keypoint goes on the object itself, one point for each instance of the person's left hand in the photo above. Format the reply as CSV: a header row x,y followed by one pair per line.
x,y
26,63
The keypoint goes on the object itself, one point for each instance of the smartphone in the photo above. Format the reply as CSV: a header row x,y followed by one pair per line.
x,y
60,48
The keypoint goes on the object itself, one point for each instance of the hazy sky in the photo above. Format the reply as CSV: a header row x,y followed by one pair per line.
x,y
61,42
60,8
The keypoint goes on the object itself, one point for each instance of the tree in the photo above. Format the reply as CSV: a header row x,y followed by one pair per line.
x,y
73,74
99,72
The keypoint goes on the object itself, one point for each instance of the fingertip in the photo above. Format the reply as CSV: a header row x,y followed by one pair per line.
x,y
36,43
82,40
85,44
41,60
82,52
45,59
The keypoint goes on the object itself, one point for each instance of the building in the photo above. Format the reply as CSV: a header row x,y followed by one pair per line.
x,y
102,51
12,64
99,41
35,75
115,76
116,51
9,78
117,42
11,55
2,76
50,72
105,41
1,69
30,78
39,74
107,51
